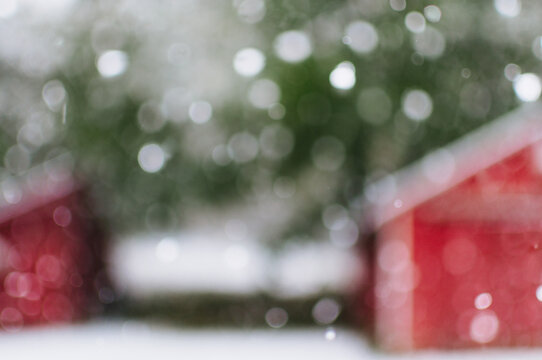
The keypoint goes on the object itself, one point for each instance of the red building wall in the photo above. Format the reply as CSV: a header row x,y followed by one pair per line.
x,y
51,267
473,263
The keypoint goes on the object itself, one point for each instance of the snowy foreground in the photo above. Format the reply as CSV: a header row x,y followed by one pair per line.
x,y
132,340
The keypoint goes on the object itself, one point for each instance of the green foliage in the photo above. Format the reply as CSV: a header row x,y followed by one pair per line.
x,y
465,82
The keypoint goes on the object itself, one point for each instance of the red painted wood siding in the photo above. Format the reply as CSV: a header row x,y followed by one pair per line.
x,y
481,237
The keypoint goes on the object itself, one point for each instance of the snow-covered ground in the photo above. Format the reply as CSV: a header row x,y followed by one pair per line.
x,y
134,341
206,262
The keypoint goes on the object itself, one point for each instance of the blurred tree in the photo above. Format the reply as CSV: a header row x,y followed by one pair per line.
x,y
290,106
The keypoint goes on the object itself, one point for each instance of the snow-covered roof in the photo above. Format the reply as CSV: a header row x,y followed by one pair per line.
x,y
440,170
39,185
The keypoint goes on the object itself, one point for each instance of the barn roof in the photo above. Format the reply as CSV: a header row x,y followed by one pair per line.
x,y
440,170
39,185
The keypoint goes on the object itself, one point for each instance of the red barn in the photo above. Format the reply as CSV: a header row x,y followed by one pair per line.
x,y
50,250
458,255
